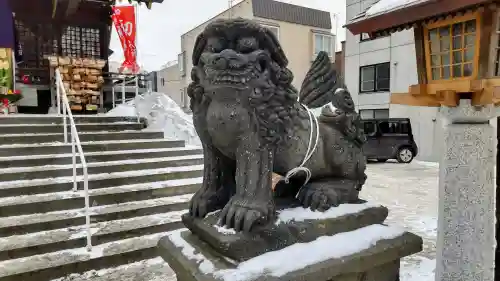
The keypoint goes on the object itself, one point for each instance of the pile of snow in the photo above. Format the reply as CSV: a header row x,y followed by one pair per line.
x,y
384,6
162,114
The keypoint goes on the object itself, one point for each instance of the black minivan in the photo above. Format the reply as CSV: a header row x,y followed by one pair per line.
x,y
389,138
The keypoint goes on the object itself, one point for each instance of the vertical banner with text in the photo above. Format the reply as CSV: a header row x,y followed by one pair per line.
x,y
124,20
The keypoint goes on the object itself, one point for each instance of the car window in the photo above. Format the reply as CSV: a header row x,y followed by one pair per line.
x,y
369,128
392,127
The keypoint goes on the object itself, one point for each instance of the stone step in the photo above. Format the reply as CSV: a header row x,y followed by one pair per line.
x,y
37,222
37,186
52,119
67,200
8,150
81,127
20,246
155,269
54,171
99,156
57,264
84,136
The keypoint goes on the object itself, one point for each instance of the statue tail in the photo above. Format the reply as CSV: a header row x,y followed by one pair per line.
x,y
320,83
322,86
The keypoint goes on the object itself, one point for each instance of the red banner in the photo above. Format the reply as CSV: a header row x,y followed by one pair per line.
x,y
124,19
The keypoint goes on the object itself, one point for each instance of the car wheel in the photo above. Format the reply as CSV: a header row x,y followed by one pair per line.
x,y
383,160
405,155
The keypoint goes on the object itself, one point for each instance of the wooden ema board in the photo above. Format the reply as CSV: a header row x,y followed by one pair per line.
x,y
82,79
482,92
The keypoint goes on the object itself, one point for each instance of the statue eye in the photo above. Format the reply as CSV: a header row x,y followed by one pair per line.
x,y
215,45
247,44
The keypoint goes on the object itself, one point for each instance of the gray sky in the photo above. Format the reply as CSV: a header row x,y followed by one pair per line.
x,y
160,29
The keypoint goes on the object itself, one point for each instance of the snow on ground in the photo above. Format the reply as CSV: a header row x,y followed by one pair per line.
x,y
384,6
162,114
410,191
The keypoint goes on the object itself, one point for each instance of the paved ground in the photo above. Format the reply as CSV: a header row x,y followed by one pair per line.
x,y
409,191
411,194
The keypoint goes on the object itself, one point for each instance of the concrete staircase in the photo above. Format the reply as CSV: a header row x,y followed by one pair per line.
x,y
139,184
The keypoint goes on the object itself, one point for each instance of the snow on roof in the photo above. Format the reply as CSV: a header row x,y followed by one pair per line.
x,y
384,6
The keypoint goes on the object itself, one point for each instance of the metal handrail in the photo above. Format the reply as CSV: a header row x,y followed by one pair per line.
x,y
75,142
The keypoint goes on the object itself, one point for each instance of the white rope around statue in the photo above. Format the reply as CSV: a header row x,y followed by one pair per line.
x,y
310,149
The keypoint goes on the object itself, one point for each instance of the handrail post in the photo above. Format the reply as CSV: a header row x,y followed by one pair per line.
x,y
123,90
65,125
136,85
113,98
87,206
73,156
58,96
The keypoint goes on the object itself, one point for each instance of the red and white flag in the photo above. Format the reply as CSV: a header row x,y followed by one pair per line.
x,y
124,20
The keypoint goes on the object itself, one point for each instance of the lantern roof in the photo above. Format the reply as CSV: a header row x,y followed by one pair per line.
x,y
388,16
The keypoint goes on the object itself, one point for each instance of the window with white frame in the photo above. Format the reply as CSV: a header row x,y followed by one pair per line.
x,y
181,59
274,29
323,42
365,37
374,113
375,78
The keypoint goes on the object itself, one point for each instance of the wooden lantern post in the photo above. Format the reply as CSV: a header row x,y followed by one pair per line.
x,y
457,52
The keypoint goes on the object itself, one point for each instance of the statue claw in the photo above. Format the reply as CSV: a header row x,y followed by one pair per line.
x,y
204,202
243,216
319,198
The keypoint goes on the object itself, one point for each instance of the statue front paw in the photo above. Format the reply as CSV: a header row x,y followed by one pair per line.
x,y
318,197
203,202
243,214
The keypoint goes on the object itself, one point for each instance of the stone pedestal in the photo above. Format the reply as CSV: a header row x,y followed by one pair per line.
x,y
466,224
340,244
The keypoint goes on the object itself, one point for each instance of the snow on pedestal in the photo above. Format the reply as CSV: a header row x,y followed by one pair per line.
x,y
297,256
339,244
302,214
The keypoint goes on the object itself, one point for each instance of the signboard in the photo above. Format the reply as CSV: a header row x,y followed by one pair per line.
x,y
124,20
5,70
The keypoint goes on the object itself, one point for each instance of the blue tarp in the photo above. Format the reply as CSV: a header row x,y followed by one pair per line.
x,y
6,25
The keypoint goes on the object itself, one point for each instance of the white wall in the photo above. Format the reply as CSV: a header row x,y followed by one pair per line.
x,y
242,9
172,85
399,50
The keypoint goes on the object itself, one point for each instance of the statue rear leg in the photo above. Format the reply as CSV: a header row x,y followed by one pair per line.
x,y
325,193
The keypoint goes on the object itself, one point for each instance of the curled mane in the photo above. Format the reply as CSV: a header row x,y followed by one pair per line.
x,y
275,106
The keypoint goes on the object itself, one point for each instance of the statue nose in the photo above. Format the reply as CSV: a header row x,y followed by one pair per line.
x,y
220,63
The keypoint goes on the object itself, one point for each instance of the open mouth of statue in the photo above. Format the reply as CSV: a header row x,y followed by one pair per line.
x,y
232,79
238,77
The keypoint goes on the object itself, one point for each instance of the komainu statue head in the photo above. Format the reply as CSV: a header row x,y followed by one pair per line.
x,y
241,56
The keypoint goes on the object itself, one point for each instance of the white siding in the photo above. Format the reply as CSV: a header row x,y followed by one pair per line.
x,y
399,50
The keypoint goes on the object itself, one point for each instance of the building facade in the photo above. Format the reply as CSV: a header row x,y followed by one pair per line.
x,y
339,62
169,82
375,68
303,32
